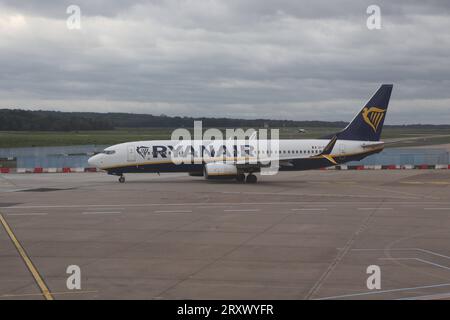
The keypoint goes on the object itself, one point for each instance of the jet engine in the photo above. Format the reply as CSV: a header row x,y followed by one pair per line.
x,y
220,171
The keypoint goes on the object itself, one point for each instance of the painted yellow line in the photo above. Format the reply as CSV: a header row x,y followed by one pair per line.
x,y
37,277
39,294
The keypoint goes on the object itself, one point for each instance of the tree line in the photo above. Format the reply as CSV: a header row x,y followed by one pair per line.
x,y
24,120
27,120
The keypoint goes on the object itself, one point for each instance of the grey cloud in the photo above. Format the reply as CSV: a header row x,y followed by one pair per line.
x,y
249,8
278,59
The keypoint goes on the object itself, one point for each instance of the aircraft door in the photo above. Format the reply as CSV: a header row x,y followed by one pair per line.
x,y
342,148
131,153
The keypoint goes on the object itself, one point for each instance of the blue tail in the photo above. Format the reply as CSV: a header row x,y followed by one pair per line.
x,y
368,123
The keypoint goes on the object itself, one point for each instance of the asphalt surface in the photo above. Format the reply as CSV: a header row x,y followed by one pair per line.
x,y
299,235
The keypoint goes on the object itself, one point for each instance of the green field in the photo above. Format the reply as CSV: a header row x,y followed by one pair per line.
x,y
10,139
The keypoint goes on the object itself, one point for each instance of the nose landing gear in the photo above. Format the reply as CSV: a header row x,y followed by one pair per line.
x,y
121,179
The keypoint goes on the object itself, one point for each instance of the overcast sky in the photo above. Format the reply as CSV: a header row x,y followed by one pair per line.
x,y
280,59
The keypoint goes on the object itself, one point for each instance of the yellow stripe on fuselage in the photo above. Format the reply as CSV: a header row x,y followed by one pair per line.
x,y
240,159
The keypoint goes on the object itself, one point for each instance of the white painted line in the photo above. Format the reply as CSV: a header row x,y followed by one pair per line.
x,y
241,210
212,206
173,211
375,209
403,249
420,260
90,209
433,253
310,209
101,212
298,203
384,291
28,214
340,195
437,296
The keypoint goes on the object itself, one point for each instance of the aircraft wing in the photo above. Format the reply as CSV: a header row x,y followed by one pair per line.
x,y
326,153
374,145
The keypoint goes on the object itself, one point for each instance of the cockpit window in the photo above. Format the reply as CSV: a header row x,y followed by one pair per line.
x,y
109,151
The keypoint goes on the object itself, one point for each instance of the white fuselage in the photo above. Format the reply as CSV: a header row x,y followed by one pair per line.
x,y
140,153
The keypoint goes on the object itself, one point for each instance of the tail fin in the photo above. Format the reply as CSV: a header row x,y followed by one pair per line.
x,y
368,123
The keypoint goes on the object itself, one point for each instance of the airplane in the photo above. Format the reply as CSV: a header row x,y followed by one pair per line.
x,y
213,160
300,130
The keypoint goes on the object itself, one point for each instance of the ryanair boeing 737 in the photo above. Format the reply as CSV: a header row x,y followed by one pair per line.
x,y
240,160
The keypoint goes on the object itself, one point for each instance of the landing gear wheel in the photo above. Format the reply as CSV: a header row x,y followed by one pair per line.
x,y
251,178
240,177
122,179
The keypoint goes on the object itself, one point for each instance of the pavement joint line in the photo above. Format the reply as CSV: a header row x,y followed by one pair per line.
x,y
101,212
28,214
241,210
437,296
179,228
398,192
384,291
227,253
173,211
375,208
104,208
420,260
3,178
310,209
341,254
319,195
216,204
212,206
402,249
34,272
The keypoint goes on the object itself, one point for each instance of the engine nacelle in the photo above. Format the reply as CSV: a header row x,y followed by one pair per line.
x,y
220,171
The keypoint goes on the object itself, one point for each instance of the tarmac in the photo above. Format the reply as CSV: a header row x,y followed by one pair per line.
x,y
295,235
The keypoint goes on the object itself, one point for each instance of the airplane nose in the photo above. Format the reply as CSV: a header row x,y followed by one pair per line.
x,y
93,161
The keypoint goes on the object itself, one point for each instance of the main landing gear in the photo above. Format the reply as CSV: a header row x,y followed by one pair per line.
x,y
240,177
121,179
251,178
